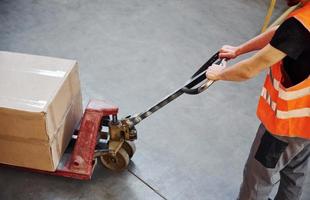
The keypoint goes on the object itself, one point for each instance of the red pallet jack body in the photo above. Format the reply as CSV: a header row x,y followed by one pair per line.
x,y
80,163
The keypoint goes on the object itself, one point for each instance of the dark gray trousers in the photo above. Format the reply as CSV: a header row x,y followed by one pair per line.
x,y
270,157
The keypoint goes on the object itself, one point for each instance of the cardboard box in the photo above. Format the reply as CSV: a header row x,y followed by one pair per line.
x,y
40,105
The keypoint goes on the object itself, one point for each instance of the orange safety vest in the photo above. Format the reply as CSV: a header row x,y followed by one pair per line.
x,y
286,111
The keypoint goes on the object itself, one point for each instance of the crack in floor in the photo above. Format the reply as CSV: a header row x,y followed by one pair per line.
x,y
148,185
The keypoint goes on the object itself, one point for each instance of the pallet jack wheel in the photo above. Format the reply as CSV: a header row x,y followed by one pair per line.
x,y
129,147
116,163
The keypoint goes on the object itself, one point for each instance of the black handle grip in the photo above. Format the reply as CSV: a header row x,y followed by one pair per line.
x,y
197,90
197,83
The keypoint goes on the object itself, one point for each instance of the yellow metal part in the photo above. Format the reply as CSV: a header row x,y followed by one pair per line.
x,y
114,146
121,131
116,131
269,14
280,19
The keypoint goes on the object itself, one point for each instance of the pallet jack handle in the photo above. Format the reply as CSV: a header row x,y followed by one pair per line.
x,y
199,82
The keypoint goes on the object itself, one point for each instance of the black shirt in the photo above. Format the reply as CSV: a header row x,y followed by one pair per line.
x,y
293,39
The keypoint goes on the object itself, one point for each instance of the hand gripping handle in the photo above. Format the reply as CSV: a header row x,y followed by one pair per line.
x,y
199,82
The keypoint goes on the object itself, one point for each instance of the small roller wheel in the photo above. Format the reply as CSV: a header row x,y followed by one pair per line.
x,y
129,147
116,163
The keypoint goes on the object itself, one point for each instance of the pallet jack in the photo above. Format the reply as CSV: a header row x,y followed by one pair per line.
x,y
102,135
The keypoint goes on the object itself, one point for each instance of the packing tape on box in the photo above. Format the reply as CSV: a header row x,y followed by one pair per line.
x,y
22,140
29,102
38,71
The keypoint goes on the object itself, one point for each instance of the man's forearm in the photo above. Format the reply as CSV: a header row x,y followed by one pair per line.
x,y
257,43
237,72
250,67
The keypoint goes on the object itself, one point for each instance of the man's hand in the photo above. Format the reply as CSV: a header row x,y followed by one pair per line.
x,y
229,52
214,71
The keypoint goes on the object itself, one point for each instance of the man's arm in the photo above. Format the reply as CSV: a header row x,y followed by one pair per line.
x,y
248,68
256,43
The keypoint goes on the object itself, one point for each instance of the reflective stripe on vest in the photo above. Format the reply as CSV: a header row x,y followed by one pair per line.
x,y
281,114
286,111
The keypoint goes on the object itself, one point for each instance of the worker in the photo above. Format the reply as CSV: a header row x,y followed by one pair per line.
x,y
282,144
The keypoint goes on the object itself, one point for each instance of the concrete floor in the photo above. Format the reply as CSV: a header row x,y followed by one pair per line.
x,y
134,53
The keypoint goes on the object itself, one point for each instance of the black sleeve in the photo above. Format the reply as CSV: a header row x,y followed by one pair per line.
x,y
290,38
